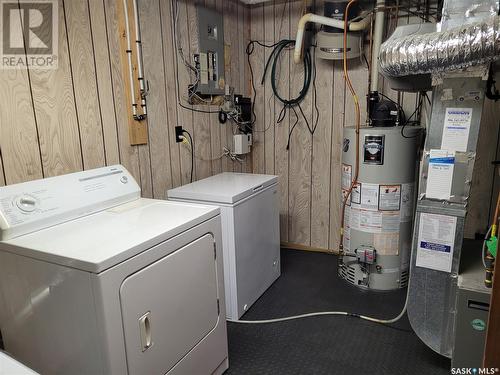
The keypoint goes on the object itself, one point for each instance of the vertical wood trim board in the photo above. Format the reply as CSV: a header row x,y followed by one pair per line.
x,y
128,154
138,130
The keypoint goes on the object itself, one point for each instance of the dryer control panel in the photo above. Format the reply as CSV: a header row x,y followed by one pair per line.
x,y
34,205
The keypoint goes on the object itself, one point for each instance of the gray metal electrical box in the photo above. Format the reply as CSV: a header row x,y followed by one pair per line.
x,y
211,52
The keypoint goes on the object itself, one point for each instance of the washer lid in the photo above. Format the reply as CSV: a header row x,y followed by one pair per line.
x,y
101,240
226,187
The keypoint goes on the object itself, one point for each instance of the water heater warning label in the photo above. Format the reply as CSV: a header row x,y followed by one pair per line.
x,y
346,182
389,197
386,244
436,237
373,221
369,196
346,176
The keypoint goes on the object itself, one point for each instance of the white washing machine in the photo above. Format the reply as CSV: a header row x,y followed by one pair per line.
x,y
249,207
96,280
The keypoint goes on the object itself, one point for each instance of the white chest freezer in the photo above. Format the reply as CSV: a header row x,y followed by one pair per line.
x,y
249,206
96,280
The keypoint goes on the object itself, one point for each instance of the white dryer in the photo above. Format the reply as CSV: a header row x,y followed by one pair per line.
x,y
96,280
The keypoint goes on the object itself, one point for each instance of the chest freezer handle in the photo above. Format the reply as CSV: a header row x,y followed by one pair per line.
x,y
145,330
257,188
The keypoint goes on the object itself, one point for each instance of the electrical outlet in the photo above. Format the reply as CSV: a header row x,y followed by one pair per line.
x,y
179,134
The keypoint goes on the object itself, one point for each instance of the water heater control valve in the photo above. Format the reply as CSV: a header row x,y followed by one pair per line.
x,y
366,254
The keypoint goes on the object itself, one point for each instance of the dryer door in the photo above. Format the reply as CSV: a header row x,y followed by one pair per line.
x,y
169,307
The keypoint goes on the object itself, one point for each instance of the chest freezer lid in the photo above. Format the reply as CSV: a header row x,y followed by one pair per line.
x,y
227,187
102,240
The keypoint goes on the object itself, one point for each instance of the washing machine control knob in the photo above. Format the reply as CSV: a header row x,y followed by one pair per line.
x,y
26,203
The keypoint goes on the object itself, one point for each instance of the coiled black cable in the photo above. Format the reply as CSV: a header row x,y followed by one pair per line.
x,y
289,103
274,58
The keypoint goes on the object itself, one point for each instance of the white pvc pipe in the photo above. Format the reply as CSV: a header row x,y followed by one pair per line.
x,y
129,55
321,20
140,69
378,34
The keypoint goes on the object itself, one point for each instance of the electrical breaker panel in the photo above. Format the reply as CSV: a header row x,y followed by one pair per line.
x,y
210,59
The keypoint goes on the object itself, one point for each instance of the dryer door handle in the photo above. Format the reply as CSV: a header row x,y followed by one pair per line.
x,y
145,330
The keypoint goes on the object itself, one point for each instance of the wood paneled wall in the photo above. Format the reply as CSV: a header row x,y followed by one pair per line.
x,y
74,118
309,171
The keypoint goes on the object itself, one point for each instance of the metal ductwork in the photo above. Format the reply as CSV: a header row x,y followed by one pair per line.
x,y
457,48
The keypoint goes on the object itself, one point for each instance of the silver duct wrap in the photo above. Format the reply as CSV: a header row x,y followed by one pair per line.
x,y
457,48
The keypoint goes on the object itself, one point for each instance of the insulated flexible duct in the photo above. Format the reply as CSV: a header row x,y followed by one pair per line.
x,y
457,48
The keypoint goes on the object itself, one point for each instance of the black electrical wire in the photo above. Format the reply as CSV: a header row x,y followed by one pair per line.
x,y
426,97
274,57
408,120
315,93
292,128
288,103
192,153
249,50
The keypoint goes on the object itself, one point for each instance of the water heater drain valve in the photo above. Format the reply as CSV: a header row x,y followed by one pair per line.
x,y
366,255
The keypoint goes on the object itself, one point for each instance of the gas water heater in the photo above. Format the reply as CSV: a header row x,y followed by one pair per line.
x,y
378,217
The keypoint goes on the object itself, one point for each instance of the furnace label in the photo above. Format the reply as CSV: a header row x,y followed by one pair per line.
x,y
456,129
436,238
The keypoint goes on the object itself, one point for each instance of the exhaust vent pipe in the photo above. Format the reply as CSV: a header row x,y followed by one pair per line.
x,y
457,48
